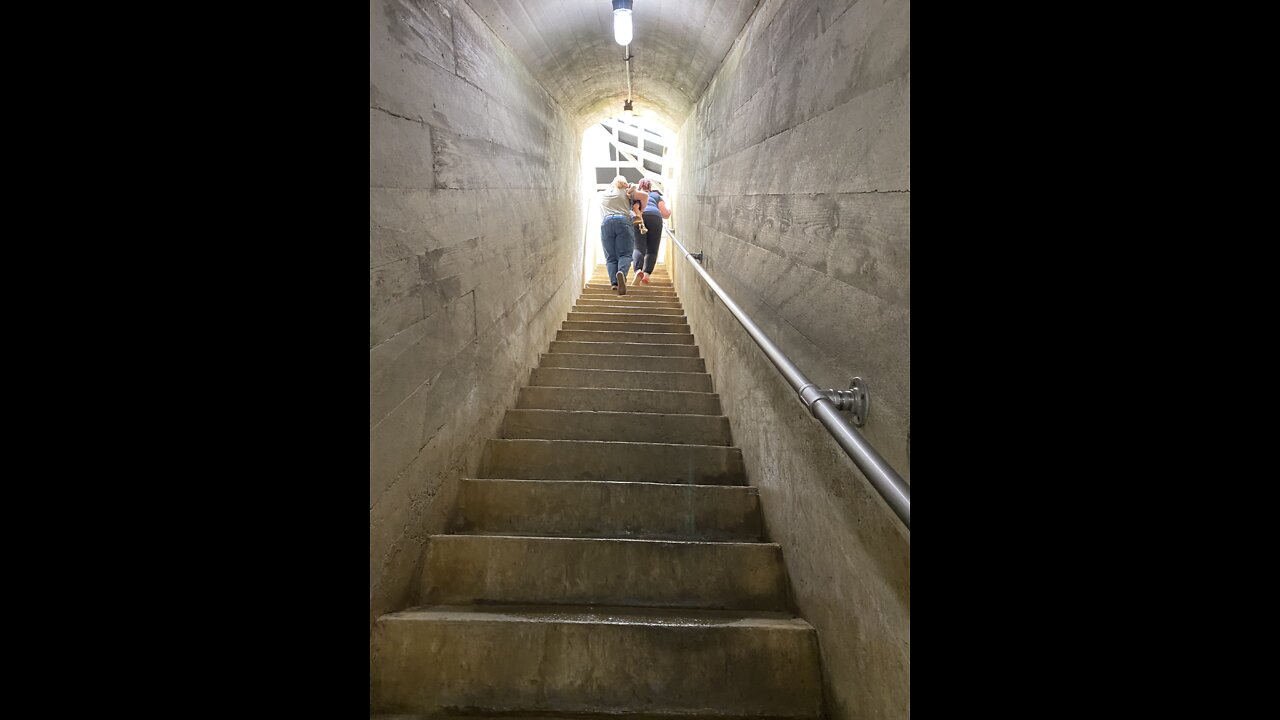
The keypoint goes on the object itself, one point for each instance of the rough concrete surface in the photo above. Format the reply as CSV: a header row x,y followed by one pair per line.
x,y
569,46
795,183
608,660
604,571
470,272
617,460
792,174
607,509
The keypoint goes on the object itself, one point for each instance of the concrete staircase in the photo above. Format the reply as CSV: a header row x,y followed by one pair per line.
x,y
608,559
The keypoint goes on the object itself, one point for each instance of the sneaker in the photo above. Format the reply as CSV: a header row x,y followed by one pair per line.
x,y
645,279
622,283
640,276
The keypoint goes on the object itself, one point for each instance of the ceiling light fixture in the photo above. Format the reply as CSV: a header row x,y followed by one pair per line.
x,y
626,108
622,21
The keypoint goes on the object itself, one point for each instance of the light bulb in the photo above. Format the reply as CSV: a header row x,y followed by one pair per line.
x,y
622,26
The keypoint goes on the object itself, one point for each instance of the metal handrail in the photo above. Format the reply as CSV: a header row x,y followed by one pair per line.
x,y
825,405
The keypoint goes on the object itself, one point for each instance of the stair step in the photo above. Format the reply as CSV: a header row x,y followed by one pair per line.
x,y
631,282
659,269
644,292
600,460
626,325
578,508
621,379
623,362
627,426
603,274
627,310
463,714
623,348
628,305
630,301
503,569
668,402
601,285
605,660
618,336
630,317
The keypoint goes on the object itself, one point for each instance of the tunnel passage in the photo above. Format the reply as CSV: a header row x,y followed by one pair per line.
x,y
792,175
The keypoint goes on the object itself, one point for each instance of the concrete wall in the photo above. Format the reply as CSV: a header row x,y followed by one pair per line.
x,y
795,181
474,228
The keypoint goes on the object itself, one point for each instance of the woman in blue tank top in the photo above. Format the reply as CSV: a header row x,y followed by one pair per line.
x,y
646,252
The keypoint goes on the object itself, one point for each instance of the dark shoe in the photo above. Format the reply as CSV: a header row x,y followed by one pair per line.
x,y
622,283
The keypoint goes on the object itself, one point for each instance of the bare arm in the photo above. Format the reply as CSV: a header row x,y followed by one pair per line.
x,y
662,208
640,196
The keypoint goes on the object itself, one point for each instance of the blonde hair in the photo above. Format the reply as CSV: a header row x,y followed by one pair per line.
x,y
620,182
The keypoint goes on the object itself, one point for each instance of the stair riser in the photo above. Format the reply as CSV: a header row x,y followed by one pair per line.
x,y
651,288
616,348
632,292
634,317
627,310
559,666
630,301
624,337
623,362
484,569
640,401
631,282
607,509
585,460
623,426
626,325
628,305
658,271
622,379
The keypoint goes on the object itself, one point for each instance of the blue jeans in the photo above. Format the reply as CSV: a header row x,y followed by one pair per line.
x,y
618,240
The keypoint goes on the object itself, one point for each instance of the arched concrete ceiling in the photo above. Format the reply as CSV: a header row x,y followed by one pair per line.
x,y
568,45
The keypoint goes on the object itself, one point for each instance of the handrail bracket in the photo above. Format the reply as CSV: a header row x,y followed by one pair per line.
x,y
856,400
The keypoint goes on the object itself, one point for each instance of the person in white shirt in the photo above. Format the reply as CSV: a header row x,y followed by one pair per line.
x,y
616,234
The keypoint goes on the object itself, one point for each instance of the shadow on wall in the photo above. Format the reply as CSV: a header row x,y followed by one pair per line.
x,y
795,185
470,269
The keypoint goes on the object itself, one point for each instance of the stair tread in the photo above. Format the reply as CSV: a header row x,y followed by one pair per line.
x,y
589,345
561,715
641,372
750,489
642,357
604,615
449,537
645,401
550,388
614,389
593,413
615,442
606,509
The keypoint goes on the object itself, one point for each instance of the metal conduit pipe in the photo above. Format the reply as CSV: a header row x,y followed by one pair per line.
x,y
626,58
825,405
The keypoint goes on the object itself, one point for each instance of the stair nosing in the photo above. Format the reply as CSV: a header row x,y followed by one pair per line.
x,y
751,489
604,412
578,387
601,614
611,370
572,538
618,442
682,357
